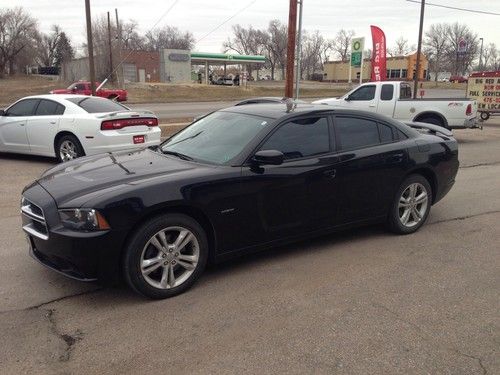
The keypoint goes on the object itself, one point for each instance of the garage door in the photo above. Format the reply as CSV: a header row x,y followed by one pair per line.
x,y
129,73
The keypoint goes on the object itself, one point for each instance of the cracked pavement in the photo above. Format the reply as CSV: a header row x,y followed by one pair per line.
x,y
358,302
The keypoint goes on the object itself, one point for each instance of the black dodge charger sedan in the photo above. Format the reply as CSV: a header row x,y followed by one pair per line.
x,y
241,179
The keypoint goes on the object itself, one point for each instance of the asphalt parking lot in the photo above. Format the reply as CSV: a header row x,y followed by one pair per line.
x,y
360,302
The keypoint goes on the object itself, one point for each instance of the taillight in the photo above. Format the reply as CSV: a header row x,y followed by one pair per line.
x,y
468,111
123,123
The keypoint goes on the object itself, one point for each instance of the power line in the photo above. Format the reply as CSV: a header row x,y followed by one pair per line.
x,y
152,27
226,20
456,8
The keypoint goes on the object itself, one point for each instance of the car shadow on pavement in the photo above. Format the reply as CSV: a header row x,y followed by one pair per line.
x,y
30,158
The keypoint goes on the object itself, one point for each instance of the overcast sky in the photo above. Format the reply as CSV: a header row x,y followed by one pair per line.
x,y
395,17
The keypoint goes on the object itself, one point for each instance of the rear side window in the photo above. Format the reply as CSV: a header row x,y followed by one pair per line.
x,y
97,105
387,92
356,132
385,133
23,108
363,93
301,138
405,91
49,108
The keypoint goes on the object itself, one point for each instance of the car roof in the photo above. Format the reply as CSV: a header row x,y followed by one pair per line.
x,y
57,97
277,110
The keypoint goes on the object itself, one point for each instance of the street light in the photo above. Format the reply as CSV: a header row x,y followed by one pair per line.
x,y
481,55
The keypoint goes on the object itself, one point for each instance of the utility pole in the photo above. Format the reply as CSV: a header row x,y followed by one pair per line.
x,y
290,52
481,55
110,50
299,50
119,37
90,47
419,48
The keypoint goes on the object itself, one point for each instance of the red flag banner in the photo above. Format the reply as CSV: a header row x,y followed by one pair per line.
x,y
378,54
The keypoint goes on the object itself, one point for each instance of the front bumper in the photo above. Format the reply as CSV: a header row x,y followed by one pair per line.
x,y
84,256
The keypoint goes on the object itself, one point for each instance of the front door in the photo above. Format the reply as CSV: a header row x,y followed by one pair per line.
x,y
363,98
13,134
299,195
42,127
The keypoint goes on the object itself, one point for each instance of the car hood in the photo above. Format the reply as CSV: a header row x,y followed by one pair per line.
x,y
96,175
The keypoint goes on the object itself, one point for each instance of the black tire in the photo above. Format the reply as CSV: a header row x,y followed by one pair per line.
x,y
394,221
65,140
432,120
138,245
485,116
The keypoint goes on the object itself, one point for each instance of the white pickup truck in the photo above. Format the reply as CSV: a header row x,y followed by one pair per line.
x,y
394,99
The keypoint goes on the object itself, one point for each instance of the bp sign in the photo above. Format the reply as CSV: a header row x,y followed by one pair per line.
x,y
357,46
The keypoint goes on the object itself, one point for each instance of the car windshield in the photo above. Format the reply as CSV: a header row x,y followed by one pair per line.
x,y
97,105
217,138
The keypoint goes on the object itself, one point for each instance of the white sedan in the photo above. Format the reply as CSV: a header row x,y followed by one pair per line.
x,y
70,126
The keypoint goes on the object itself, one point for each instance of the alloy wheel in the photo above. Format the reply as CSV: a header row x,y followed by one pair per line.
x,y
413,205
170,257
68,151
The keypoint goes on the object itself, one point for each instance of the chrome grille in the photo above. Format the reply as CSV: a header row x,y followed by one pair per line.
x,y
36,225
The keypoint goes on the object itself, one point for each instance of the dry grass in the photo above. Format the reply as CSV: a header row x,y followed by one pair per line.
x,y
12,89
171,93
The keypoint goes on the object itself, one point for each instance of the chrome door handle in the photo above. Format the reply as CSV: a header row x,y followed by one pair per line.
x,y
22,124
52,122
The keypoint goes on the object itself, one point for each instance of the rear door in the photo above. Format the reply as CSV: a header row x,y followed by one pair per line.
x,y
387,100
370,164
43,126
13,135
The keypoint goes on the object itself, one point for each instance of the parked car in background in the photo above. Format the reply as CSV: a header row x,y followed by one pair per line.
x,y
238,180
71,126
83,88
458,79
394,99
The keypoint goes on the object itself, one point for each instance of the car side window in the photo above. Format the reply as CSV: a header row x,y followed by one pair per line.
x,y
356,132
385,132
387,92
23,108
405,91
49,108
363,93
300,138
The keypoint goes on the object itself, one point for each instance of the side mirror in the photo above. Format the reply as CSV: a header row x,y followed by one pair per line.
x,y
268,157
348,98
2,112
74,88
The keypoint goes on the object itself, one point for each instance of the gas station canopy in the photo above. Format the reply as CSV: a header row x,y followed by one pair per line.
x,y
225,58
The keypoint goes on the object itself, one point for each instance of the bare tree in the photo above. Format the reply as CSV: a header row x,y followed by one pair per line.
x,y
168,37
46,47
131,39
401,47
246,41
436,47
342,44
17,31
314,48
276,45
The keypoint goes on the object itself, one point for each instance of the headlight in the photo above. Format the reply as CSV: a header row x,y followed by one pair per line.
x,y
83,219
